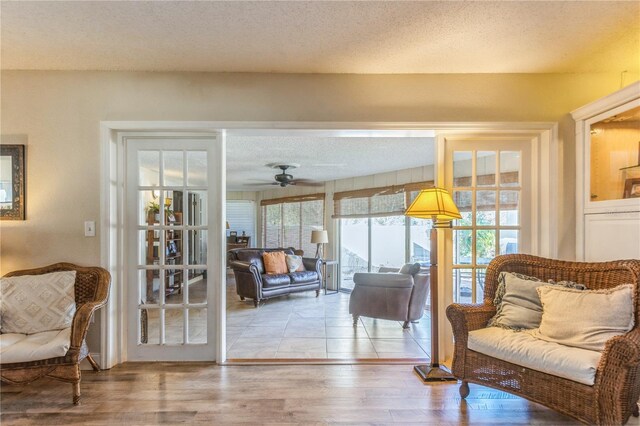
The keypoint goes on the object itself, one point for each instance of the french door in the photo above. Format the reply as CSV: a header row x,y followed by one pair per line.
x,y
491,185
171,224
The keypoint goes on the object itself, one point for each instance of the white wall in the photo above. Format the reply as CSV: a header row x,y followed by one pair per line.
x,y
60,114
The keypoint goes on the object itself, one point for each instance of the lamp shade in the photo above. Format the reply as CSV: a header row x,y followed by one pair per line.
x,y
319,237
433,203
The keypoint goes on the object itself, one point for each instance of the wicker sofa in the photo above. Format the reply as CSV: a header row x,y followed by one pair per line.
x,y
91,289
616,389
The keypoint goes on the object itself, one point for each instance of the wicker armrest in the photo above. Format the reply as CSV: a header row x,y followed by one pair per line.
x,y
617,374
80,323
465,318
620,354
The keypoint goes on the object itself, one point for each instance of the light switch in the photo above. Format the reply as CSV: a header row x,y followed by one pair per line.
x,y
89,228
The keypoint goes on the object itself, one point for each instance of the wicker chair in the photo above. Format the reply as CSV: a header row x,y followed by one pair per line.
x,y
91,292
611,400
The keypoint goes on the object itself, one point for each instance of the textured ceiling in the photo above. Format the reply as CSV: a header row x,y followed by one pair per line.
x,y
320,158
322,37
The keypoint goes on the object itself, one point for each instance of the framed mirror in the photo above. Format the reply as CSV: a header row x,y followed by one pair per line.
x,y
12,182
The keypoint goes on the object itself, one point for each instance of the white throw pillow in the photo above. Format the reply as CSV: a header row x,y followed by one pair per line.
x,y
294,263
585,319
35,303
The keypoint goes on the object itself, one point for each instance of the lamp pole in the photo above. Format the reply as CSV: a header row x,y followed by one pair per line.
x,y
434,371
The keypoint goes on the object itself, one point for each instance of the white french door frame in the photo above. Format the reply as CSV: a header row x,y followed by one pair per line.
x,y
112,239
543,198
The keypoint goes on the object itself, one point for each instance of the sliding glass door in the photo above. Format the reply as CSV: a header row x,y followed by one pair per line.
x,y
371,243
354,250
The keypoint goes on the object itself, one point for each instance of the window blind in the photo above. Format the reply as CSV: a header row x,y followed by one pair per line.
x,y
376,202
288,222
241,217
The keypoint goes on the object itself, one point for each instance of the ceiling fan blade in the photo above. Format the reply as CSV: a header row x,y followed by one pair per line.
x,y
306,182
260,184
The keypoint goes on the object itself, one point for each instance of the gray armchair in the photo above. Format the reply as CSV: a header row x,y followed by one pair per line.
x,y
399,296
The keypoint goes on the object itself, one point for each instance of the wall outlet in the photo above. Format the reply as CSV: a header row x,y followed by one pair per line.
x,y
89,228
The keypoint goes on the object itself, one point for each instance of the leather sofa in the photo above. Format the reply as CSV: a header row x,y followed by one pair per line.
x,y
392,296
253,283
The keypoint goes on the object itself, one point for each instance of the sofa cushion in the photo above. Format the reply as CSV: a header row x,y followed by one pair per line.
x,y
585,319
522,348
294,263
275,262
518,303
303,277
275,280
16,347
35,303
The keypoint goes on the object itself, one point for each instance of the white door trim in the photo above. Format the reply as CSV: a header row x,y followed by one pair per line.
x,y
113,348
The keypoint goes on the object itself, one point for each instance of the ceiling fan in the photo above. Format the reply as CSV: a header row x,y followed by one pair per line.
x,y
285,179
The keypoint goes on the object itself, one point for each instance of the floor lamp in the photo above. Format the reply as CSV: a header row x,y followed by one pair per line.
x,y
435,204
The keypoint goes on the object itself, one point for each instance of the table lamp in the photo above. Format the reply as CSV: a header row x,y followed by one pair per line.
x,y
320,238
435,204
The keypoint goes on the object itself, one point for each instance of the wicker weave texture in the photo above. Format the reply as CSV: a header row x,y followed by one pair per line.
x,y
91,292
612,399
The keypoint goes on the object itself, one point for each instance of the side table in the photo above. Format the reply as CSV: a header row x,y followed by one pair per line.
x,y
330,263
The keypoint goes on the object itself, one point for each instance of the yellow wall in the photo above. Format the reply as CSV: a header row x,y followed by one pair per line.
x,y
60,112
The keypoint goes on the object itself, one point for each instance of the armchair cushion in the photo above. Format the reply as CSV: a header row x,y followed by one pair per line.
x,y
303,277
373,279
410,268
523,349
15,347
585,319
36,303
275,280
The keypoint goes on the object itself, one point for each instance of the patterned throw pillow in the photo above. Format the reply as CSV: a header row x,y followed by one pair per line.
x,y
34,303
274,262
294,263
517,302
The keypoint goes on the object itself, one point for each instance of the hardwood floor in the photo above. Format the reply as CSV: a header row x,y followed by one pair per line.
x,y
193,393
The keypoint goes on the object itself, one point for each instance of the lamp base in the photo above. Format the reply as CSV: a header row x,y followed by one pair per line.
x,y
434,373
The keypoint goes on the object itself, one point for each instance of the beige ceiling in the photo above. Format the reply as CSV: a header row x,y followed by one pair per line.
x,y
322,37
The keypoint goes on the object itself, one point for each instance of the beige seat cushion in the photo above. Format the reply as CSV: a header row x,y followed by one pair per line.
x,y
585,319
521,348
16,347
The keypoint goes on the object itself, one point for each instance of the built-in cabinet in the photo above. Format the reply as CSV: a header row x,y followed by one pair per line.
x,y
608,177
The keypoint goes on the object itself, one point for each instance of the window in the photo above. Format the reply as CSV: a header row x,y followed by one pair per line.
x,y
241,217
288,222
487,190
374,232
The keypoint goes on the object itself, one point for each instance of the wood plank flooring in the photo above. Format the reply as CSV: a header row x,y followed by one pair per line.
x,y
200,393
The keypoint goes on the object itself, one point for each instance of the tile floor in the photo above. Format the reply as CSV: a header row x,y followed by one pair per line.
x,y
303,326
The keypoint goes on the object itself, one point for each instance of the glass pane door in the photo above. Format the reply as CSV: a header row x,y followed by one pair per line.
x,y
168,200
354,249
388,236
488,180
